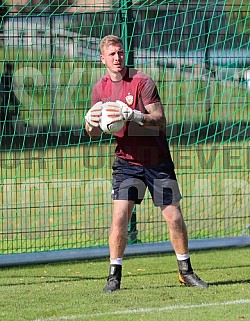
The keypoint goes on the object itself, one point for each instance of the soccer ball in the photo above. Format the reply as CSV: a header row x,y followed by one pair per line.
x,y
106,124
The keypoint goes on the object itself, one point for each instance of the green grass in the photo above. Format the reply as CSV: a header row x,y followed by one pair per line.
x,y
186,98
149,292
46,220
214,176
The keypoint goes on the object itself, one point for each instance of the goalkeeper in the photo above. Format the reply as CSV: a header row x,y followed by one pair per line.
x,y
142,161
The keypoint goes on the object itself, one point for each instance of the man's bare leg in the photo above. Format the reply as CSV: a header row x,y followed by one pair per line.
x,y
117,242
179,240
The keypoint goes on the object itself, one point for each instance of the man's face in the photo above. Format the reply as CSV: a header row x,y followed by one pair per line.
x,y
114,58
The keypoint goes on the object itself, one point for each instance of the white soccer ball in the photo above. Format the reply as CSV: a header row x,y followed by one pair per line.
x,y
106,122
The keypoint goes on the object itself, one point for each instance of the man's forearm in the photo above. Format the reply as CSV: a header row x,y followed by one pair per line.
x,y
93,132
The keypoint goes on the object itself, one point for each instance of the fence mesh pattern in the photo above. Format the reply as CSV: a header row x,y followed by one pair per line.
x,y
55,182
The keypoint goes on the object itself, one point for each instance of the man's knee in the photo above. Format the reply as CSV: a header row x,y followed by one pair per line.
x,y
172,213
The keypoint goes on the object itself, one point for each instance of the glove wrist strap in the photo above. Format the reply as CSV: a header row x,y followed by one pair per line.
x,y
138,117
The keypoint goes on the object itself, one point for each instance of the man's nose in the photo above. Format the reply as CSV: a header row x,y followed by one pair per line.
x,y
116,56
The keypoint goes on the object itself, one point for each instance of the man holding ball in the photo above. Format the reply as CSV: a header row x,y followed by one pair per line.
x,y
142,159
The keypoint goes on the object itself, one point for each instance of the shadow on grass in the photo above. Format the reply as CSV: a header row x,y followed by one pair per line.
x,y
231,282
46,280
50,279
177,285
81,279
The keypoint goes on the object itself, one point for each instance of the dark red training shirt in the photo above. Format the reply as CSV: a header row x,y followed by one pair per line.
x,y
140,145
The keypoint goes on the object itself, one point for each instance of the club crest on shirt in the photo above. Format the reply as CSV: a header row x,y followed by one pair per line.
x,y
129,99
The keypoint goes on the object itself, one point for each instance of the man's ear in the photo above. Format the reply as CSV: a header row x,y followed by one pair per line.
x,y
102,59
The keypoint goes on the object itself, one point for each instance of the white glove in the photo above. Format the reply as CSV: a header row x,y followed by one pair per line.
x,y
92,117
114,111
130,114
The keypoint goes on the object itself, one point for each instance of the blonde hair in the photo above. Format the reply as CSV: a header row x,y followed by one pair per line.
x,y
110,40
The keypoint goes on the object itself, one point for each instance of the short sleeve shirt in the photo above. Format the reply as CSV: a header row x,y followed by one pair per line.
x,y
139,145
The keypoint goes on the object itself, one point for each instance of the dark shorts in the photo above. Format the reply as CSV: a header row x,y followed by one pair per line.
x,y
130,183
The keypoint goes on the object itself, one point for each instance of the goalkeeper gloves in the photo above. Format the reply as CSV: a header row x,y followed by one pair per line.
x,y
130,114
113,110
117,110
92,117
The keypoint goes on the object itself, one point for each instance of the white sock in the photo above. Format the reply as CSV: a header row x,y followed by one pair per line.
x,y
117,261
182,257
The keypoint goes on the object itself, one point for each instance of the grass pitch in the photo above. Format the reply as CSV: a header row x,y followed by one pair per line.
x,y
149,292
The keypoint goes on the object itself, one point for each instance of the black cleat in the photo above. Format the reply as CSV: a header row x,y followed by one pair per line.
x,y
112,285
191,279
187,276
114,278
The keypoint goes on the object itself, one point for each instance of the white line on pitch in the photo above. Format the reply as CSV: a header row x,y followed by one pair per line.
x,y
144,310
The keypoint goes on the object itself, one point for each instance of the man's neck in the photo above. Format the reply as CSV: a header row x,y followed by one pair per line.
x,y
118,76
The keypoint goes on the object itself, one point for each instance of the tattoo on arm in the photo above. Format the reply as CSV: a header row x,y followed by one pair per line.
x,y
155,116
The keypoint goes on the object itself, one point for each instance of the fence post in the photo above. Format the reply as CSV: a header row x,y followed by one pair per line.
x,y
132,231
126,16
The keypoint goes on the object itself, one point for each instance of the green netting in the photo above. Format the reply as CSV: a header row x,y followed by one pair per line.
x,y
55,182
